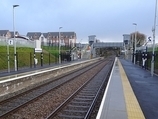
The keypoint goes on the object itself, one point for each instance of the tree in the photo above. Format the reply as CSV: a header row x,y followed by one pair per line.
x,y
140,38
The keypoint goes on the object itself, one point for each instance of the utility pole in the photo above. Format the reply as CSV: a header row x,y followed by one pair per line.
x,y
153,30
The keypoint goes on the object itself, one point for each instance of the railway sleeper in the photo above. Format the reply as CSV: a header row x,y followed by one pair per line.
x,y
81,99
85,97
74,112
80,104
89,91
70,117
85,94
70,107
4,109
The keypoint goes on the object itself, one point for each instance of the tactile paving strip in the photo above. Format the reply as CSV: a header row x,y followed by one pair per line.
x,y
133,108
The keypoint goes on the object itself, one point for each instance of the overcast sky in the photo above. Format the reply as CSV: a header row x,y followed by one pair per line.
x,y
107,19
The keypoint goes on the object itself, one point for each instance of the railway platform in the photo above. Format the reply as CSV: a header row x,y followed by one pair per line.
x,y
131,93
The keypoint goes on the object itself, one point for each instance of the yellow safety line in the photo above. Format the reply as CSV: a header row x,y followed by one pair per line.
x,y
133,108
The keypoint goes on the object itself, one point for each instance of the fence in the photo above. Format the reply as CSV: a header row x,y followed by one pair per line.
x,y
147,64
26,60
19,42
30,59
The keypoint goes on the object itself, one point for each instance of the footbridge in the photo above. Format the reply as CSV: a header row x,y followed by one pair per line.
x,y
105,48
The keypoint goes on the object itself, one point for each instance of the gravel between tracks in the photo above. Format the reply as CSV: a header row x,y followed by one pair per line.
x,y
42,107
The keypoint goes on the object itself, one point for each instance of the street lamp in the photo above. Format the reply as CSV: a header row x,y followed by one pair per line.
x,y
153,30
135,40
149,40
59,46
132,56
15,59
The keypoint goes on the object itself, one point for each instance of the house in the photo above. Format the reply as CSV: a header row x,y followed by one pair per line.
x,y
44,39
5,34
66,38
69,38
52,38
34,35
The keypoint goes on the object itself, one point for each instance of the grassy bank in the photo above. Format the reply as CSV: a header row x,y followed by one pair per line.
x,y
25,57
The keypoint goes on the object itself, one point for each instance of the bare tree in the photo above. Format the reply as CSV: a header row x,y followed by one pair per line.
x,y
140,39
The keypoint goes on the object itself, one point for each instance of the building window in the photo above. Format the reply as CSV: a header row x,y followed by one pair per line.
x,y
126,42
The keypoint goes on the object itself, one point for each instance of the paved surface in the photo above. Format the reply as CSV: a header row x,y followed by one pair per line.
x,y
119,101
145,88
28,69
113,105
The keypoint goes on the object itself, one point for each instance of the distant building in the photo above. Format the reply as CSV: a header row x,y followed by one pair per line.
x,y
126,39
45,39
5,34
34,35
127,45
66,38
91,39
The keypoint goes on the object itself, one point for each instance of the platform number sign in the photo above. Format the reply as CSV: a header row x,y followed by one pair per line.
x,y
10,42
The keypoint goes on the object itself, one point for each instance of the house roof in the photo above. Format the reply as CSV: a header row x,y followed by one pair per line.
x,y
3,32
45,35
68,33
31,34
62,33
53,33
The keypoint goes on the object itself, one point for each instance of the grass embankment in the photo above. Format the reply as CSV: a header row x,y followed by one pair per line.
x,y
25,56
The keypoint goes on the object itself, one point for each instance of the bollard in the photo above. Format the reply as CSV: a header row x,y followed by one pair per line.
x,y
41,59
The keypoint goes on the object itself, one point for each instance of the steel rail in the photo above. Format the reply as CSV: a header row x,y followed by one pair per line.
x,y
37,95
69,99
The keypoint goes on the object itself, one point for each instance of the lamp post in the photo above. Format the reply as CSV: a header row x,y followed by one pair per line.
x,y
132,57
135,40
59,46
149,39
153,52
15,59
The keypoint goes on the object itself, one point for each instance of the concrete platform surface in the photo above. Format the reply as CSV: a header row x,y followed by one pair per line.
x,y
145,88
119,101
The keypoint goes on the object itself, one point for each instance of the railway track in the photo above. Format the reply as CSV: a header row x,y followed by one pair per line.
x,y
81,103
11,108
